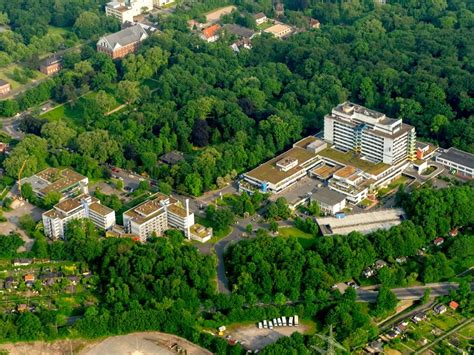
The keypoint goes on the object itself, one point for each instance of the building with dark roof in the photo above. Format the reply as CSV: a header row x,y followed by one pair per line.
x,y
51,65
329,201
172,158
121,43
457,161
238,31
260,18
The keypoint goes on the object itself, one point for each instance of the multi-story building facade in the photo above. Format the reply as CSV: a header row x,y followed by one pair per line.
x,y
126,10
457,161
155,216
372,134
119,44
4,87
55,221
51,65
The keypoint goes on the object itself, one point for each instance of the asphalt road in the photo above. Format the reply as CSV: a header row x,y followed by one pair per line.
x,y
411,293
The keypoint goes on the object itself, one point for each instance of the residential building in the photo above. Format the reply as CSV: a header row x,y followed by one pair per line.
x,y
260,18
66,181
438,241
3,147
126,41
419,317
367,273
279,30
377,138
241,43
329,201
375,347
172,158
440,309
380,264
314,24
211,33
51,65
457,161
4,87
148,218
126,10
157,215
453,305
279,9
55,221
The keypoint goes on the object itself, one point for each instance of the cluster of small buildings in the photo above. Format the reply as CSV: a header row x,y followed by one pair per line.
x,y
211,31
371,270
152,217
279,322
361,150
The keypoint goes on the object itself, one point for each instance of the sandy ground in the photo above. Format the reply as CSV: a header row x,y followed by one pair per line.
x,y
142,344
12,223
253,338
150,343
61,347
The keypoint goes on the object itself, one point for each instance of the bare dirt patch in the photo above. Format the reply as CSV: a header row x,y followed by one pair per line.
x,y
136,343
253,338
143,344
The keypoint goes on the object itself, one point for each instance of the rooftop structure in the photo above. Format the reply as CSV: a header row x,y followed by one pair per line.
x,y
239,31
285,169
66,181
126,10
260,18
51,65
279,30
172,158
458,161
211,33
373,135
361,222
121,43
55,221
329,201
157,215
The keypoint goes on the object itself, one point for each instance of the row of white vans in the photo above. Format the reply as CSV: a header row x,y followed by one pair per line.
x,y
279,322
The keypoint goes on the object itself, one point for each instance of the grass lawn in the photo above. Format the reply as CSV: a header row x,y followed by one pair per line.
x,y
59,30
265,25
467,331
305,239
151,83
446,321
7,74
72,114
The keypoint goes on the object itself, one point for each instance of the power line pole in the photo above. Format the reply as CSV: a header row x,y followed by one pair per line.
x,y
332,344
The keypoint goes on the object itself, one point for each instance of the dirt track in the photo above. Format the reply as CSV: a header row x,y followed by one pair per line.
x,y
146,343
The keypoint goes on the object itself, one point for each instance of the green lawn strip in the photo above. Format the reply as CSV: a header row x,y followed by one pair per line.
x,y
305,239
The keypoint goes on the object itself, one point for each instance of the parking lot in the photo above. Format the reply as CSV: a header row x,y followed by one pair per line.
x,y
253,338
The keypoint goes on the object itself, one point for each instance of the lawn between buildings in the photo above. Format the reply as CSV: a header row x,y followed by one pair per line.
x,y
305,239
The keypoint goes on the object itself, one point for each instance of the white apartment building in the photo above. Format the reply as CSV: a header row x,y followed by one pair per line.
x,y
457,161
84,206
158,215
372,134
126,10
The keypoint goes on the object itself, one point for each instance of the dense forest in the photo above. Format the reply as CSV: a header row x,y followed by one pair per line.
x,y
228,112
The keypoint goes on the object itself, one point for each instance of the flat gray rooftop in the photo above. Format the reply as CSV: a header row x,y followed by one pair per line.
x,y
459,157
361,222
